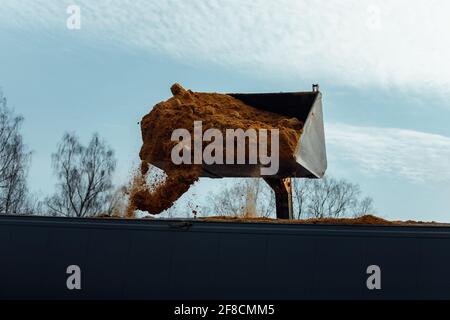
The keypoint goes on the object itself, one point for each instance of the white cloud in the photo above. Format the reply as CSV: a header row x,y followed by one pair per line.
x,y
352,42
410,154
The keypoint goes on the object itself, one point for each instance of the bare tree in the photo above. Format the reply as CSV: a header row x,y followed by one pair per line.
x,y
118,201
329,197
365,206
229,201
244,197
301,194
332,198
84,178
14,163
316,198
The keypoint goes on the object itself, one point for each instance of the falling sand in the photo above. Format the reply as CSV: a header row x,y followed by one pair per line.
x,y
162,192
215,110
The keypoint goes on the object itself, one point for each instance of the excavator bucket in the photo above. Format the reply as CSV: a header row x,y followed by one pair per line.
x,y
310,159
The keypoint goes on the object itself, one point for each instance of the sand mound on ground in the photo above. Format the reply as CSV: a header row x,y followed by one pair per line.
x,y
367,219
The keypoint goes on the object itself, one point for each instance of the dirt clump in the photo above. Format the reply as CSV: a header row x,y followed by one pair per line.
x,y
218,111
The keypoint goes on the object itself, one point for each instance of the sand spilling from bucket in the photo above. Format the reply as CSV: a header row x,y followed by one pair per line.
x,y
160,193
215,110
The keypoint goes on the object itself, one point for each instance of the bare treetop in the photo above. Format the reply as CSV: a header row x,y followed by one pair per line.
x,y
84,177
14,163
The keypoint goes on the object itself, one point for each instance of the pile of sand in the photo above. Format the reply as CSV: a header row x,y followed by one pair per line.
x,y
364,220
215,110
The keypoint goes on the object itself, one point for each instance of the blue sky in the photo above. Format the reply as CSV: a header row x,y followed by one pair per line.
x,y
383,69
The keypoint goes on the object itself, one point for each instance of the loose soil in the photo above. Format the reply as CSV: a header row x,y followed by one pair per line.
x,y
367,219
363,220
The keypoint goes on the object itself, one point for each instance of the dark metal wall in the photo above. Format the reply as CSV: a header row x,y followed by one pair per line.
x,y
176,260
